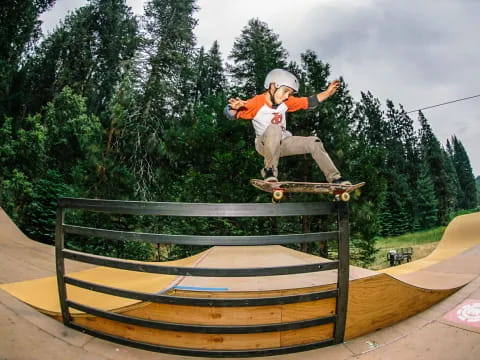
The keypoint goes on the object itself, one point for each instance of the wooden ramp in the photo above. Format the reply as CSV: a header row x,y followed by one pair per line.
x,y
376,299
23,259
462,234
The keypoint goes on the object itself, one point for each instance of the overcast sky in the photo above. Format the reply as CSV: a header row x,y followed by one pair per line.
x,y
415,53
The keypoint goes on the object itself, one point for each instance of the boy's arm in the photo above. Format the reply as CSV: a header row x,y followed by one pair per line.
x,y
312,101
241,109
324,95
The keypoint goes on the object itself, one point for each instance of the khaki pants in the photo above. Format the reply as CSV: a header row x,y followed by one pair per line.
x,y
271,146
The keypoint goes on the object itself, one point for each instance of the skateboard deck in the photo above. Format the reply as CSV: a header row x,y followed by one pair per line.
x,y
279,188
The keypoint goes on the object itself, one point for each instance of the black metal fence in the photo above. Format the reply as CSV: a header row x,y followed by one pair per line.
x,y
340,209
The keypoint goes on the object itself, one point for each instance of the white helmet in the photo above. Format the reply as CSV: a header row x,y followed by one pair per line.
x,y
281,77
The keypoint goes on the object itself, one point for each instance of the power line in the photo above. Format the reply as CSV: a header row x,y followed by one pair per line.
x,y
445,103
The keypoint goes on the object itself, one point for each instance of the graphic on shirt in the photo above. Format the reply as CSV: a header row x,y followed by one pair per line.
x,y
277,118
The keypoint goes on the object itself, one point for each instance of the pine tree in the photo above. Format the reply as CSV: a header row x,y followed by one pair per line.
x,y
466,179
400,172
257,51
169,48
477,183
192,147
367,162
115,41
439,170
167,90
115,179
449,156
426,201
210,72
42,71
19,30
452,181
88,52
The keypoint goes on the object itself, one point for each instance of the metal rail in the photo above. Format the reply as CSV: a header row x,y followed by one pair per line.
x,y
339,209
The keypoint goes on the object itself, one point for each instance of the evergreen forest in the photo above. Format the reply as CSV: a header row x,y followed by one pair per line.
x,y
111,105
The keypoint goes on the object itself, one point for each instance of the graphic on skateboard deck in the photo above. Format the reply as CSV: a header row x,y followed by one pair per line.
x,y
341,192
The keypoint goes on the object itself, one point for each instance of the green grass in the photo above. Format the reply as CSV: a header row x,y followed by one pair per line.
x,y
405,240
423,243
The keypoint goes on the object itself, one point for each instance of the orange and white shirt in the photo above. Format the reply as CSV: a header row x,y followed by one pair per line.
x,y
262,115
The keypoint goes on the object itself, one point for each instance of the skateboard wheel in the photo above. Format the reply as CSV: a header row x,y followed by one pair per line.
x,y
277,195
275,201
345,196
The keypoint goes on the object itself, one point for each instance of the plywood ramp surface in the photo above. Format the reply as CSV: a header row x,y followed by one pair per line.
x,y
380,301
25,259
43,294
263,256
462,234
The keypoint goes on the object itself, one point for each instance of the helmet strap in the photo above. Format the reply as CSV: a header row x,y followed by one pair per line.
x,y
272,98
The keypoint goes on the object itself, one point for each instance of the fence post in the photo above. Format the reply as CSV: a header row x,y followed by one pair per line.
x,y
60,264
343,270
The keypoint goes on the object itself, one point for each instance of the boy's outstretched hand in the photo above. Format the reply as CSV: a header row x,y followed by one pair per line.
x,y
236,103
331,89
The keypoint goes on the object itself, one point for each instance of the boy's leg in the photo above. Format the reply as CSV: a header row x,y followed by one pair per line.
x,y
296,145
268,145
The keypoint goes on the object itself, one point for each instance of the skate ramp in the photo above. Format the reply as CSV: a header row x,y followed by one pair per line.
x,y
376,299
461,235
24,259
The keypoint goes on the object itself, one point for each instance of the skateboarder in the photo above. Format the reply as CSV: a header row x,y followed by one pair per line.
x,y
268,114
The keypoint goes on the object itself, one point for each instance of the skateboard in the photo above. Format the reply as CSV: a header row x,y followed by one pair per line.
x,y
341,192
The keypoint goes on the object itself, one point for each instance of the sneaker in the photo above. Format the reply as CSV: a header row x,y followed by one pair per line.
x,y
268,175
341,181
